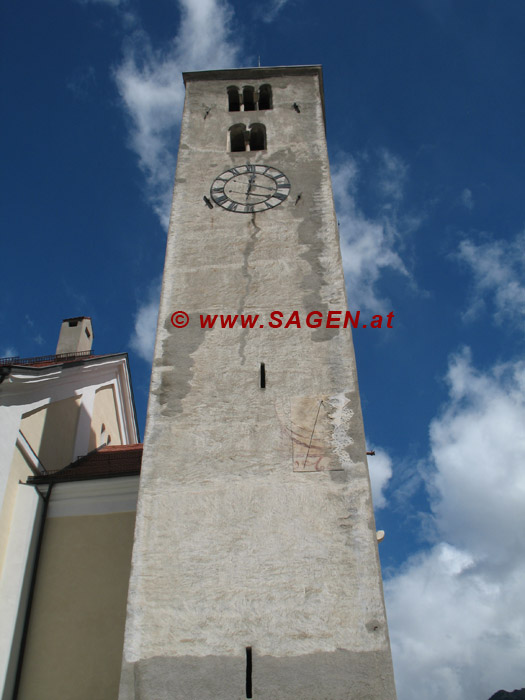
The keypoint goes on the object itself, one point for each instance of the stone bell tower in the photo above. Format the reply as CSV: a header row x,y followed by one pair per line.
x,y
255,567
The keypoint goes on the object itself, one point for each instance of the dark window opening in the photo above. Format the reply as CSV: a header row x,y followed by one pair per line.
x,y
257,137
237,139
249,672
234,102
87,332
248,98
265,97
72,324
263,376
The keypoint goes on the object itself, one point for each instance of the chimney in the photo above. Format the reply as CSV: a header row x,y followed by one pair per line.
x,y
76,335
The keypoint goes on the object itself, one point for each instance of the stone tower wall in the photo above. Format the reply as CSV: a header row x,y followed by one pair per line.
x,y
255,526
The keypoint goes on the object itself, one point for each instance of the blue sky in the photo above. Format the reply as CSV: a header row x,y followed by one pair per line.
x,y
425,105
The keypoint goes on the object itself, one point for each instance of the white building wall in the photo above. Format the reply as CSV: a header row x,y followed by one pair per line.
x,y
15,581
21,392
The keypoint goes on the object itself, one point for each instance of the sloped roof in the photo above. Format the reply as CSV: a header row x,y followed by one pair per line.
x,y
104,463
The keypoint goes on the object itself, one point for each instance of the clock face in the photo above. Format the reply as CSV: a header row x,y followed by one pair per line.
x,y
250,188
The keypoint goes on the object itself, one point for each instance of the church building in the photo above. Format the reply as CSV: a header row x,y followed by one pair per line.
x,y
244,562
69,467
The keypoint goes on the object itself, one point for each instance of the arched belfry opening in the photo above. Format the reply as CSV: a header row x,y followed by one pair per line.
x,y
243,139
234,101
265,97
248,98
237,138
257,137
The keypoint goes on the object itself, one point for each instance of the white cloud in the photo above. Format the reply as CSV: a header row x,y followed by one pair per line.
x,y
456,612
9,352
368,246
498,268
268,14
467,199
150,85
152,91
391,176
380,468
143,337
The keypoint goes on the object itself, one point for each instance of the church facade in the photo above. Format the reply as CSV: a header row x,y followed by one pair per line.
x,y
69,466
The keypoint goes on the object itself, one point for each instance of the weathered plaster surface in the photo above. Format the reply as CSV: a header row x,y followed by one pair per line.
x,y
233,547
322,676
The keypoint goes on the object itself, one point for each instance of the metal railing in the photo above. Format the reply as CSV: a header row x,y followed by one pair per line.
x,y
63,357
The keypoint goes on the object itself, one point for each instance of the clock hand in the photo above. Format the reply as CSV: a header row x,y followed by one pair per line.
x,y
252,194
250,185
262,187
